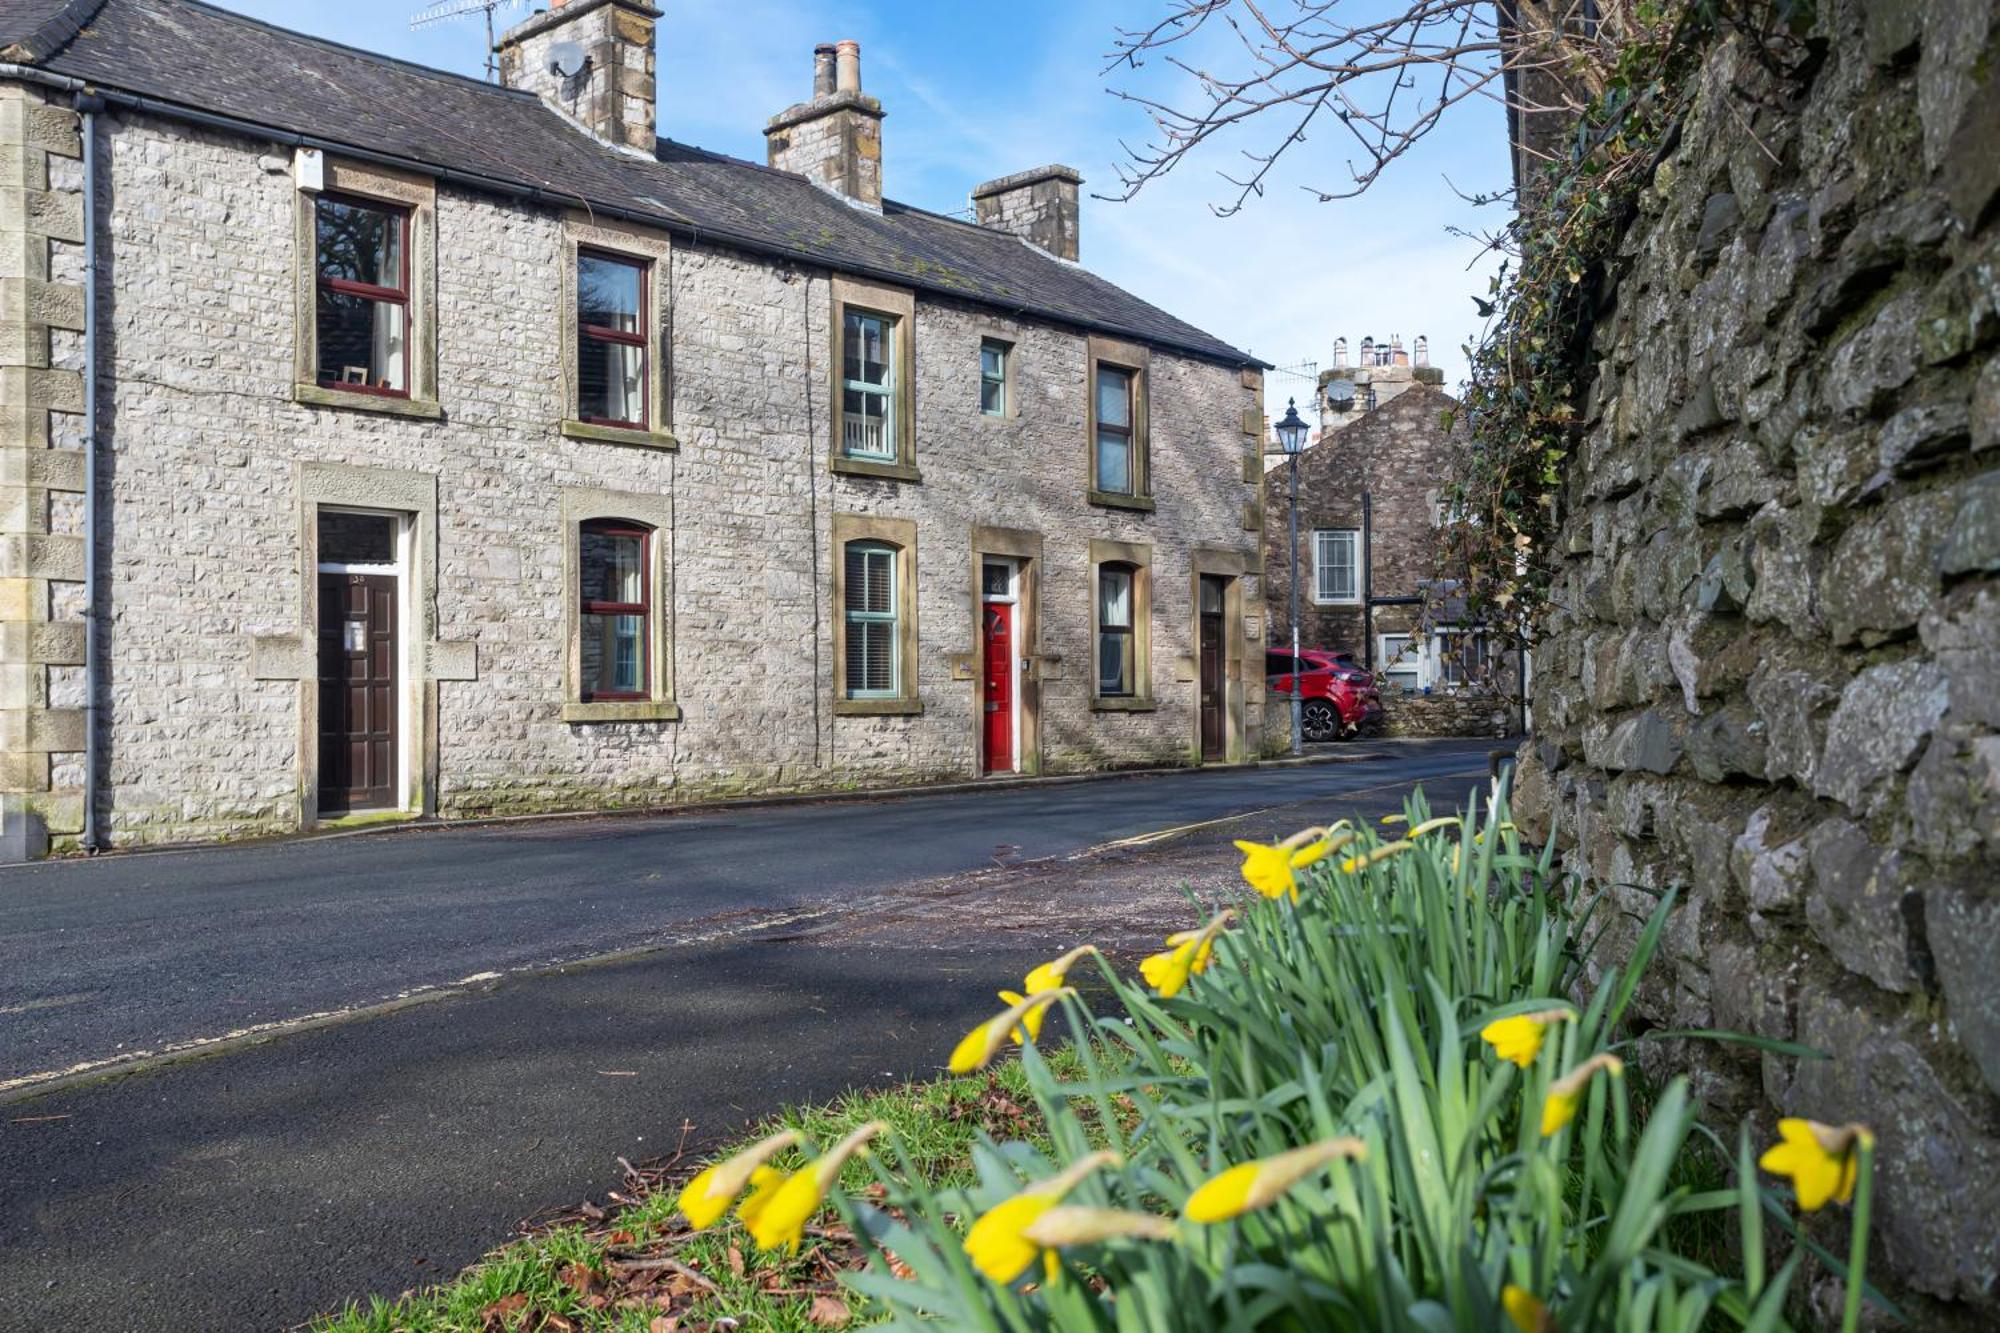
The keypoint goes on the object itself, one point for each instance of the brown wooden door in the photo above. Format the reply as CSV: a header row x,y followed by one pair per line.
x,y
357,692
1213,690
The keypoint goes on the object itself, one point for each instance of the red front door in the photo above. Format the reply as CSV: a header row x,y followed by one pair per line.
x,y
999,641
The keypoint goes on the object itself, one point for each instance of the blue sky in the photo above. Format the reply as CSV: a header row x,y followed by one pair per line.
x,y
975,91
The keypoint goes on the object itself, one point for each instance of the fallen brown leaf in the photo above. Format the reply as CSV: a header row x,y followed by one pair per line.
x,y
829,1312
664,1323
736,1261
580,1279
620,1238
497,1315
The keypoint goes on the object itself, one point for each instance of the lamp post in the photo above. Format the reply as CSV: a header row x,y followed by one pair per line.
x,y
1292,438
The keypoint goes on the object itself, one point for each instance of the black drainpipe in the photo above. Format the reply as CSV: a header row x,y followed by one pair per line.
x,y
1368,581
88,106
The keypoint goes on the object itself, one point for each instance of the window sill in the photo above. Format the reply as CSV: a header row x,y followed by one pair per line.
x,y
622,710
320,395
1103,704
1337,601
877,707
1117,500
643,439
868,467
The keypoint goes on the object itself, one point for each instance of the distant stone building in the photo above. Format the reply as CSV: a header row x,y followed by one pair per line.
x,y
1370,509
383,443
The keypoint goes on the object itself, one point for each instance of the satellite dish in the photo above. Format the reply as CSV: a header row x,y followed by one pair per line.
x,y
1341,394
566,59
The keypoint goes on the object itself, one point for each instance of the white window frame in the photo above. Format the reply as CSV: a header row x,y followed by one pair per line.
x,y
1387,652
998,378
885,392
891,618
1442,659
1353,542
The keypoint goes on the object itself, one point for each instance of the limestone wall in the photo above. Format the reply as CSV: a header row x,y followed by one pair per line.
x,y
206,450
1774,679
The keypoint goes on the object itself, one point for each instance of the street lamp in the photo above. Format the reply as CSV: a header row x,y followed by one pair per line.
x,y
1292,438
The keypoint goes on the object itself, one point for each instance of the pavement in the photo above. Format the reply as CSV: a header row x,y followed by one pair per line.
x,y
503,1011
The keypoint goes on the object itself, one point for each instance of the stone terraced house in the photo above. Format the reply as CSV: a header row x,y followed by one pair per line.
x,y
381,442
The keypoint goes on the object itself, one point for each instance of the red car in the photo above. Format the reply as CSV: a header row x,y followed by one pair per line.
x,y
1337,697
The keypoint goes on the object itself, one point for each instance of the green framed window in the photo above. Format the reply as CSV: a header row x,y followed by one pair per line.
x,y
993,377
873,667
868,386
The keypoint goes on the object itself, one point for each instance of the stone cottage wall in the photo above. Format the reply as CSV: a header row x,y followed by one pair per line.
x,y
206,446
1773,680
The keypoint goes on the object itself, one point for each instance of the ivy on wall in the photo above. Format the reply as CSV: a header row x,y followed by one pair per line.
x,y
1522,408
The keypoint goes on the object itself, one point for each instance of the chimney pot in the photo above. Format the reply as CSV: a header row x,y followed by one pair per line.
x,y
847,67
835,138
823,70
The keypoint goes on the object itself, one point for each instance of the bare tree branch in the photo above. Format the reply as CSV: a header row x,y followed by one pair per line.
x,y
1386,77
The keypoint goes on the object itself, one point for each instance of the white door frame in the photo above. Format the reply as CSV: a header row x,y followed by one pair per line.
x,y
407,683
1012,597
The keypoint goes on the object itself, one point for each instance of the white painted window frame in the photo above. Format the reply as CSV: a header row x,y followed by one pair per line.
x,y
1353,536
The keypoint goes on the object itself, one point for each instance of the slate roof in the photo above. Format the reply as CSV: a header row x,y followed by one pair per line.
x,y
189,58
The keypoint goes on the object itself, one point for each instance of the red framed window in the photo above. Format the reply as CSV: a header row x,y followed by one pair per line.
x,y
614,607
363,267
611,370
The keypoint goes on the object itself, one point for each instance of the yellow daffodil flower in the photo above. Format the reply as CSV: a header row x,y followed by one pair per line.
x,y
1431,826
1525,1312
1566,1093
978,1047
1168,972
1253,1185
1519,1038
764,1184
707,1197
1049,976
1269,869
996,1243
1063,1226
1822,1160
1382,853
779,1218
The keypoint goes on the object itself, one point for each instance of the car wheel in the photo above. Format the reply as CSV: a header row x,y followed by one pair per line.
x,y
1319,721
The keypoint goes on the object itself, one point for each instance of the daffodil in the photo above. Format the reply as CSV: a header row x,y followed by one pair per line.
x,y
996,1243
1253,1185
1050,976
1168,972
1566,1093
1431,826
1063,1226
1519,1038
1269,868
978,1047
781,1211
1822,1160
1525,1312
707,1197
1382,853
1389,821
764,1184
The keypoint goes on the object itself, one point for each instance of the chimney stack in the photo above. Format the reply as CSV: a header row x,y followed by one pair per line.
x,y
834,140
614,92
1039,206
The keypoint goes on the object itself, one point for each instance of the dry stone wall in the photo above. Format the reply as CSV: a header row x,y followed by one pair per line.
x,y
205,448
1773,680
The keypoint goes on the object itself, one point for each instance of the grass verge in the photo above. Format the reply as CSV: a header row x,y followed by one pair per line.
x,y
636,1268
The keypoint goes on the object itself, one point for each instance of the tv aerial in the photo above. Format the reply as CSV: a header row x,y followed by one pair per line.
x,y
442,10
